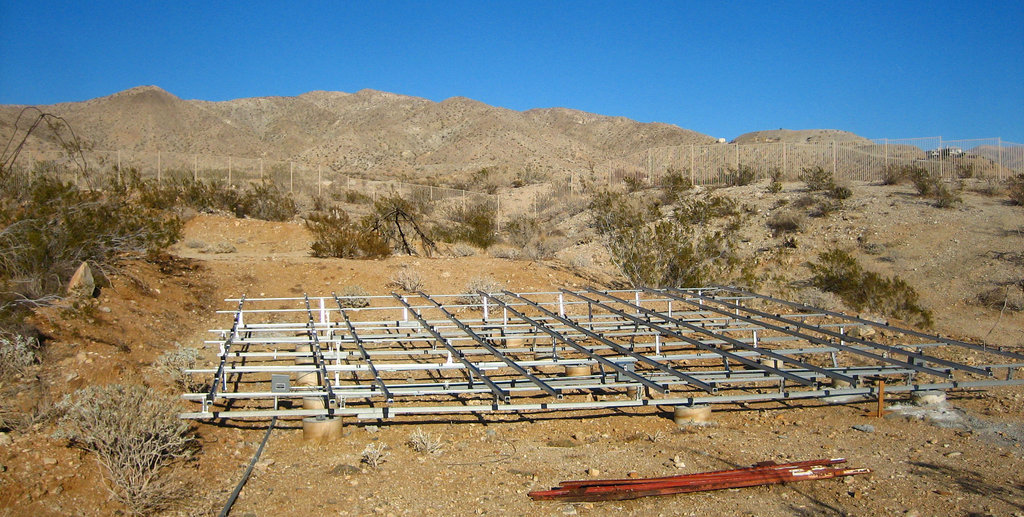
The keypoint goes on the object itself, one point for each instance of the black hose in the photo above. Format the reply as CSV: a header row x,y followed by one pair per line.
x,y
248,471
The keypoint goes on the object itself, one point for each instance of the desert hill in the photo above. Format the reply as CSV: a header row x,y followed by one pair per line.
x,y
801,136
366,131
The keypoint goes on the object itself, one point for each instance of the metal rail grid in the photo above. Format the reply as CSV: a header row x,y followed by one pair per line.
x,y
429,354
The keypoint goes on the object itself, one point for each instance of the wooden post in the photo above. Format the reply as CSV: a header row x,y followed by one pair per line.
x,y
319,179
119,166
229,171
291,176
692,182
159,167
195,167
261,170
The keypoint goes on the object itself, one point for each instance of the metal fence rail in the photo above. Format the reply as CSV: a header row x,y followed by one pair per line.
x,y
410,354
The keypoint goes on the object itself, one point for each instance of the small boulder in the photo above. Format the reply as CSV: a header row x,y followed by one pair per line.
x,y
82,283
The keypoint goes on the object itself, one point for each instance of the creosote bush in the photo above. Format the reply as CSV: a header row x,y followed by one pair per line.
x,y
1016,189
785,221
681,250
817,178
136,436
775,180
839,272
335,235
740,176
675,183
475,224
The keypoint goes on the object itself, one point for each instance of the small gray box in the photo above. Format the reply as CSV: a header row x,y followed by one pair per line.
x,y
280,383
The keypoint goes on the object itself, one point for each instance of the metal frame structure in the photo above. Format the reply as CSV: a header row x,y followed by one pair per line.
x,y
416,353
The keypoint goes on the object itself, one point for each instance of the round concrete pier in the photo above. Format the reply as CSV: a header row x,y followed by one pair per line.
x,y
321,429
315,402
927,397
688,415
578,370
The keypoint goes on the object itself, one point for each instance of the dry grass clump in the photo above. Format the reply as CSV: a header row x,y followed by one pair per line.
x,y
1007,297
462,249
425,443
137,438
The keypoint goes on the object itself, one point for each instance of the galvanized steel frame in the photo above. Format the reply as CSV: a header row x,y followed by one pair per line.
x,y
416,353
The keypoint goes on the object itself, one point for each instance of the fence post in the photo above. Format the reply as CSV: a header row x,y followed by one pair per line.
x,y
999,154
940,156
692,182
291,176
261,169
159,168
835,160
229,171
886,153
119,166
737,156
319,179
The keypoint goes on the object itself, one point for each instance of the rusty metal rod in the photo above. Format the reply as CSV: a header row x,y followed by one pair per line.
x,y
765,466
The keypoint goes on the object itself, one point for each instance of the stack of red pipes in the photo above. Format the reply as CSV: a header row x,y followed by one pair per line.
x,y
766,473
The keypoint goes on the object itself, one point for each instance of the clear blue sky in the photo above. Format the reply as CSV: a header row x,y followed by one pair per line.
x,y
879,69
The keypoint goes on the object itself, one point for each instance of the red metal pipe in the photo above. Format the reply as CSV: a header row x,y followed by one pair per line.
x,y
765,466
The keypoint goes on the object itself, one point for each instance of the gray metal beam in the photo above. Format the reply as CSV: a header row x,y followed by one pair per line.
x,y
499,393
619,348
362,351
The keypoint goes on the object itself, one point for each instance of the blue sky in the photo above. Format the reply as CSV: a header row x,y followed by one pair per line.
x,y
879,69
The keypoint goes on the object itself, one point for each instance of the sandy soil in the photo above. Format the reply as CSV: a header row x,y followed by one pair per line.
x,y
967,464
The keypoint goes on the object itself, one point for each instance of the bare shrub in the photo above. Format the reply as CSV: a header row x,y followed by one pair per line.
x,y
740,176
1009,297
407,280
353,296
543,248
375,455
136,436
480,283
173,364
17,352
221,247
425,443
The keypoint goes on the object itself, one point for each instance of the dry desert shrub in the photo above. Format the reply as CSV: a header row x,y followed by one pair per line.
x,y
785,221
462,249
137,438
173,364
17,352
353,297
407,280
424,443
375,455
504,252
480,283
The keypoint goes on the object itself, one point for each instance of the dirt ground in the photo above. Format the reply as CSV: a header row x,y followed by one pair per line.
x,y
965,459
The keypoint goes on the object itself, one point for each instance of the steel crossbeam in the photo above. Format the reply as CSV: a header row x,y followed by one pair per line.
x,y
362,351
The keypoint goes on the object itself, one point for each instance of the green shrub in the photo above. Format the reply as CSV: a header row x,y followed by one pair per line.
x,y
653,251
839,272
839,192
675,183
775,180
740,176
136,436
521,230
1016,189
896,174
817,178
353,296
474,224
335,235
49,229
785,221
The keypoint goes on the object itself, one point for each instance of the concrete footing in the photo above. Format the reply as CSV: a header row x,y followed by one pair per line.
x,y
578,370
688,415
321,429
927,398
